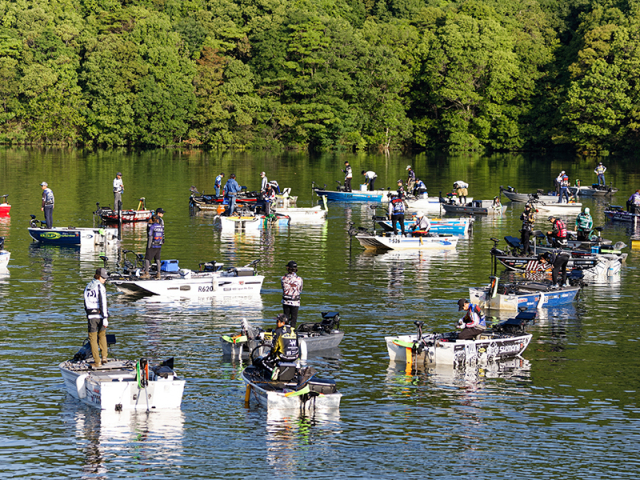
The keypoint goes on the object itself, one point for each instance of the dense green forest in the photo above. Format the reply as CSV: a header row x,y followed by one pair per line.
x,y
324,74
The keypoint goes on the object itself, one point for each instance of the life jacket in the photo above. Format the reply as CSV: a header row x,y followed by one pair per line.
x,y
561,229
565,181
286,347
291,289
600,169
157,235
583,221
527,219
397,204
475,317
95,300
48,196
218,181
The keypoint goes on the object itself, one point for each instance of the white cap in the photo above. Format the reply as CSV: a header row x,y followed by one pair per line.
x,y
586,210
262,173
419,214
562,171
408,167
44,184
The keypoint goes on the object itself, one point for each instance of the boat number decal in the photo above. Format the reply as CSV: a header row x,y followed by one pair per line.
x,y
205,288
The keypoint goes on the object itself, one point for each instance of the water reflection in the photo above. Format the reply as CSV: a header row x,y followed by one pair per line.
x,y
288,435
138,441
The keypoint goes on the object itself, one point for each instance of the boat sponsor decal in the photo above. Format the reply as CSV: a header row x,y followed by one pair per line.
x,y
58,235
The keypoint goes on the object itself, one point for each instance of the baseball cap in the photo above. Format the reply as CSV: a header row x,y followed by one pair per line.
x,y
281,317
586,210
262,173
159,210
551,217
102,272
461,303
419,214
44,184
292,264
408,167
119,174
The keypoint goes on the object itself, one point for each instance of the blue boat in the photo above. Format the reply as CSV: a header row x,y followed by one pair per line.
x,y
513,296
440,226
71,237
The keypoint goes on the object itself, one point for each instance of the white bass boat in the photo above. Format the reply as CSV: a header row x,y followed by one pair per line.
x,y
122,384
507,339
398,242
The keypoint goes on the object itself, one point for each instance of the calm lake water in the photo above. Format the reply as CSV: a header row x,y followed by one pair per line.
x,y
568,410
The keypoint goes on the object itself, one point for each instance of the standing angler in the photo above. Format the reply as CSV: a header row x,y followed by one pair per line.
x,y
265,181
599,171
411,180
218,183
348,175
47,204
528,219
231,190
396,213
95,305
118,190
291,291
155,240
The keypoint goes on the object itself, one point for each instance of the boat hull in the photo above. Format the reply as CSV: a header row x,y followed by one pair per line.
x,y
304,215
532,300
559,208
622,216
276,399
527,197
374,196
128,216
117,388
312,344
5,210
458,352
453,226
397,242
462,209
75,236
214,285
237,223
5,256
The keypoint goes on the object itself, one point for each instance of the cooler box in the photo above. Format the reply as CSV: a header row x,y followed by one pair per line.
x,y
363,188
169,266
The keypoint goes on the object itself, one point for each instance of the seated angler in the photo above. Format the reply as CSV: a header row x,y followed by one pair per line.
x,y
422,225
285,348
473,323
559,233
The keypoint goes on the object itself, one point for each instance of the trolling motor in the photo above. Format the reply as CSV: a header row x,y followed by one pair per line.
x,y
85,350
34,222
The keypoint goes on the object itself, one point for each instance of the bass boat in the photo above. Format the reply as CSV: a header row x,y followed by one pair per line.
x,y
108,215
210,280
593,190
5,208
618,214
476,207
301,214
73,236
296,389
514,196
4,255
441,226
513,296
398,242
122,384
312,337
504,340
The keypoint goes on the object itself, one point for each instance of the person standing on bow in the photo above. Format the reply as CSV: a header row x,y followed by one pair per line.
x,y
160,216
599,171
584,225
396,213
218,183
411,179
155,240
348,175
473,323
370,179
558,182
291,291
422,225
559,232
265,181
564,188
47,204
231,190
528,218
559,261
95,305
461,190
118,190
